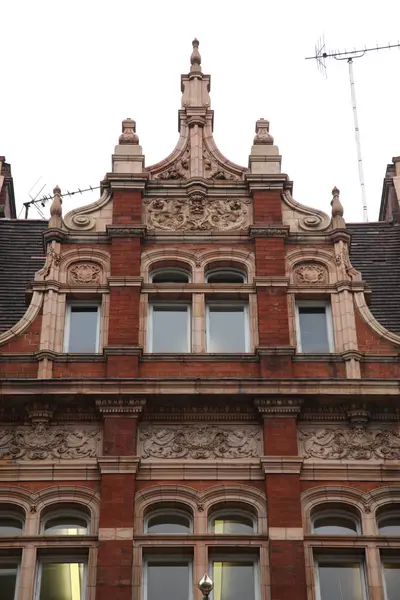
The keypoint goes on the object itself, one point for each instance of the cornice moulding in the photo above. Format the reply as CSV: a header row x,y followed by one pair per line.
x,y
54,234
122,465
281,464
125,230
189,358
270,407
11,470
123,351
274,281
275,350
269,230
121,406
128,281
350,471
201,470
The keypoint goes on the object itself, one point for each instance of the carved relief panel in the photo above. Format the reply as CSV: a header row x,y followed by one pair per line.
x,y
310,273
200,442
84,273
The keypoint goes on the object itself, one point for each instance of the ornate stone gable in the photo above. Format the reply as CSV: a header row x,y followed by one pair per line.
x,y
199,442
40,442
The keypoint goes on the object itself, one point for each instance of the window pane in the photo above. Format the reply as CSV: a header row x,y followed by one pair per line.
x,y
233,580
63,526
313,329
168,581
340,581
170,329
392,580
226,329
8,579
239,525
61,581
10,526
168,524
225,277
83,329
390,525
334,526
170,277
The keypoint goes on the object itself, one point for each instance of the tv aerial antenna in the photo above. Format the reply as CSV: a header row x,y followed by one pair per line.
x,y
320,56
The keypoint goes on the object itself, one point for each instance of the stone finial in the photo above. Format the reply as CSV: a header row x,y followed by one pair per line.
x,y
128,135
56,209
262,133
337,210
195,59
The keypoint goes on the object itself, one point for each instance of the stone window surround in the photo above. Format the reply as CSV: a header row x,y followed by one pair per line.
x,y
196,263
28,546
369,543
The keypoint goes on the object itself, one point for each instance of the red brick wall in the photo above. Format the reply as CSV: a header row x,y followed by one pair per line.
x,y
267,207
369,341
127,207
28,341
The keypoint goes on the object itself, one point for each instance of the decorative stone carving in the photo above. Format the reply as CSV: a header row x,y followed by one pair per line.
x,y
342,259
262,133
354,443
53,259
200,443
128,135
41,442
213,170
197,213
310,274
178,170
84,273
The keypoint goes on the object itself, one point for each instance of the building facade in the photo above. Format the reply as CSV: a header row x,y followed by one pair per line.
x,y
199,374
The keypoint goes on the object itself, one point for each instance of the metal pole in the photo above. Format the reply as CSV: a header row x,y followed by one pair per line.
x,y
358,143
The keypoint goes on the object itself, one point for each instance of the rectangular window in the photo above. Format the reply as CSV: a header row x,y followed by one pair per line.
x,y
235,578
391,574
314,327
82,328
169,328
340,579
61,580
227,328
8,581
167,579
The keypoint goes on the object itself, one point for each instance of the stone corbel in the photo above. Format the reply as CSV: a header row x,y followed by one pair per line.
x,y
358,413
121,406
278,407
118,465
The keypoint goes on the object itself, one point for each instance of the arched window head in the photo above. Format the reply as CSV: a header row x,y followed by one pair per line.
x,y
170,275
168,519
232,520
388,519
225,275
335,519
68,519
12,520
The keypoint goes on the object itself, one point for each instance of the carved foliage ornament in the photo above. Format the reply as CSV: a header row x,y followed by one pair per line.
x,y
310,274
179,170
83,273
197,213
200,443
355,443
40,442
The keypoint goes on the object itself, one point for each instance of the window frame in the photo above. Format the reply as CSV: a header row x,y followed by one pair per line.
x,y
328,320
60,559
162,558
236,557
384,559
9,562
336,513
166,511
232,513
207,274
340,560
150,324
58,513
179,270
67,325
246,322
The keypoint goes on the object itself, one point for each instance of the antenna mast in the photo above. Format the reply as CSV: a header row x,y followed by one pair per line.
x,y
320,56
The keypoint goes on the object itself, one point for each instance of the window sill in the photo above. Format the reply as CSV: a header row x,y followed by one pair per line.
x,y
318,357
191,357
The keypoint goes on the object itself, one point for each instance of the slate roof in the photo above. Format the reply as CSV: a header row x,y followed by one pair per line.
x,y
375,251
20,242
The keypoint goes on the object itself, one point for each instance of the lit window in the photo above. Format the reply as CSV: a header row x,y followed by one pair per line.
x,y
225,276
65,522
232,523
161,521
82,328
167,578
314,327
227,328
170,276
61,579
234,577
8,580
389,520
335,522
391,575
169,328
343,579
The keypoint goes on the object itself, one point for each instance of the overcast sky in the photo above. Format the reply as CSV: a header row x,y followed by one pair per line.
x,y
71,71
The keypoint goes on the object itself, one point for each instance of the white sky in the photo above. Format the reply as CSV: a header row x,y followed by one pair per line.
x,y
71,71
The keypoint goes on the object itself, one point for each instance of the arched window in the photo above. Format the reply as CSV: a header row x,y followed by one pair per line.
x,y
170,275
12,520
335,519
234,520
225,275
388,519
169,520
66,520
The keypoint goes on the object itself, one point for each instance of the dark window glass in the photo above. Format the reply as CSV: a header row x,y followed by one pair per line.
x,y
226,277
331,525
340,581
313,329
83,329
168,524
167,581
10,526
389,525
8,580
170,277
